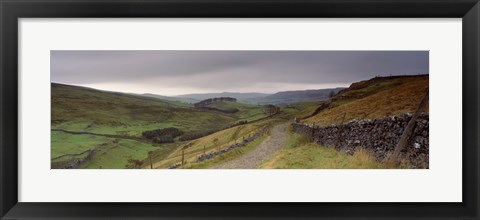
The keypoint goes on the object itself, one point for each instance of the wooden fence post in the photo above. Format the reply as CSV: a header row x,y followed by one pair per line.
x,y
408,131
150,159
183,157
204,150
313,130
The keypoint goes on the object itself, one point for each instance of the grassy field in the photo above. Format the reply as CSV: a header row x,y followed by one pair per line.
x,y
127,115
63,143
117,155
83,109
110,153
87,110
298,110
300,152
374,99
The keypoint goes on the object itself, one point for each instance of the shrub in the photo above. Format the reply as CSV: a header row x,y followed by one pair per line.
x,y
229,110
163,139
134,164
164,134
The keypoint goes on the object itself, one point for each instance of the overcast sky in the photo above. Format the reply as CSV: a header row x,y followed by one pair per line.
x,y
183,72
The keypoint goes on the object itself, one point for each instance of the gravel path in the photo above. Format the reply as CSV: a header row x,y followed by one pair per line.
x,y
266,149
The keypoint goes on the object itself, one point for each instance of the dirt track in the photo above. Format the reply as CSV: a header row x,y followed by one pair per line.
x,y
264,151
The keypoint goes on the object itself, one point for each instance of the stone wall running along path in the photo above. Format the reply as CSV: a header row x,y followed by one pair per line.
x,y
379,136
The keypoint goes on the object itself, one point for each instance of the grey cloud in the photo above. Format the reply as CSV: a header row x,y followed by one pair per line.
x,y
215,69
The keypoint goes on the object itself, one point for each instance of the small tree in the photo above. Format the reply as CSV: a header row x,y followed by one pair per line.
x,y
270,109
134,164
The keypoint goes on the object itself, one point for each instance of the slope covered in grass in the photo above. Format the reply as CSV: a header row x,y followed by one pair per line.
x,y
298,110
375,98
213,142
83,109
110,153
117,153
245,111
300,152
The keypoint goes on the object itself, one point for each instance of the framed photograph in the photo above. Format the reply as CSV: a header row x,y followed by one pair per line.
x,y
239,109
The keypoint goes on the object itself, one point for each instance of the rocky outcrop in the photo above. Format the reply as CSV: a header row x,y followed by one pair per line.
x,y
378,136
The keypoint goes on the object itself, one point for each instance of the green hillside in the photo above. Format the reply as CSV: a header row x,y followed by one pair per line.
x,y
122,118
110,130
289,97
245,111
110,153
84,109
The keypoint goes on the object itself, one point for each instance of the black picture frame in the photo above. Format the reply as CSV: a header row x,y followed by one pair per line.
x,y
12,10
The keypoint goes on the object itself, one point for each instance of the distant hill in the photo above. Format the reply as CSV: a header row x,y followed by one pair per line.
x,y
288,97
242,110
279,98
171,98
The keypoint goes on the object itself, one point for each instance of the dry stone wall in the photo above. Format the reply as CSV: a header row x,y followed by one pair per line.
x,y
214,154
74,161
378,136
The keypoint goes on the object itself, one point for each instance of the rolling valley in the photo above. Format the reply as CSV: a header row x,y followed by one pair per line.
x,y
96,129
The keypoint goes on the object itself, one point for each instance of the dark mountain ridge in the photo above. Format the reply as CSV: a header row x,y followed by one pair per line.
x,y
280,98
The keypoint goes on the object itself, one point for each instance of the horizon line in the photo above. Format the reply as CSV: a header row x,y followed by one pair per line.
x,y
203,93
171,96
